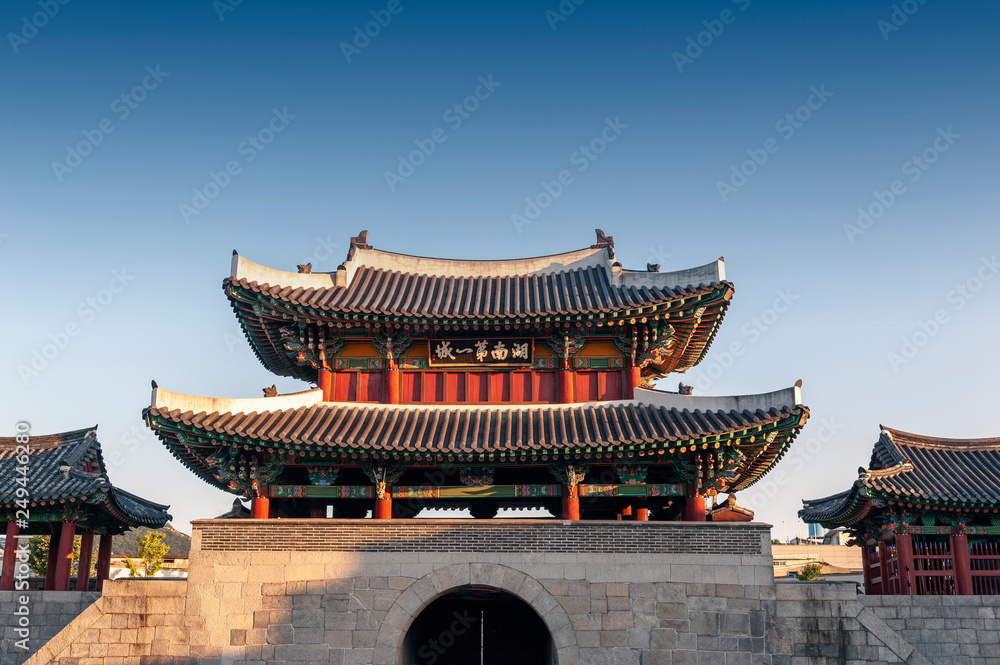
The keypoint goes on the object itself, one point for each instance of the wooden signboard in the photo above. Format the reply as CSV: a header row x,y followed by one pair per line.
x,y
486,352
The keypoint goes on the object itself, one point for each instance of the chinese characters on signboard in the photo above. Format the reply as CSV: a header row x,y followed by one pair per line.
x,y
493,351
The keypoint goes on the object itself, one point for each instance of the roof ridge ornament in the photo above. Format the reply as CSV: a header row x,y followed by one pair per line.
x,y
604,240
361,240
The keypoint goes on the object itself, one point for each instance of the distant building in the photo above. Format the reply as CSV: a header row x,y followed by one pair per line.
x,y
925,515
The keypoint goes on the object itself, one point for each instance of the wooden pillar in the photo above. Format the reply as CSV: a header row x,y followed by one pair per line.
x,y
694,507
567,379
571,502
961,564
866,566
627,512
103,560
50,562
391,385
86,549
883,560
632,381
9,557
904,556
325,381
642,514
259,508
64,557
383,507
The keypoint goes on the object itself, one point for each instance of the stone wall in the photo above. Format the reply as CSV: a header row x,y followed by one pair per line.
x,y
304,591
48,613
825,623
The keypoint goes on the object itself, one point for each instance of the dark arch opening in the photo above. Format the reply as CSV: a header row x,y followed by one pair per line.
x,y
478,625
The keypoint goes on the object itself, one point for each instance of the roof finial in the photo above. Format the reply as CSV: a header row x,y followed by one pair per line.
x,y
652,267
272,391
685,389
361,240
305,268
604,241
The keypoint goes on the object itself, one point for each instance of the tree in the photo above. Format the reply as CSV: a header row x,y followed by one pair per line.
x,y
810,572
38,555
775,541
151,552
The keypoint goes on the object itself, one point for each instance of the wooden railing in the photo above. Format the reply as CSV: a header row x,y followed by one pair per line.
x,y
985,563
933,571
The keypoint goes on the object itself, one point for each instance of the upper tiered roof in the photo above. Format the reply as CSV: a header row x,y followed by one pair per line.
x,y
654,423
916,472
66,474
378,287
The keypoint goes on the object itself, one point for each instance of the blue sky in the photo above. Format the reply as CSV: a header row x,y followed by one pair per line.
x,y
143,142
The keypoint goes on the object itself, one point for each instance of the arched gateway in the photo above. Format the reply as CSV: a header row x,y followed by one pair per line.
x,y
418,627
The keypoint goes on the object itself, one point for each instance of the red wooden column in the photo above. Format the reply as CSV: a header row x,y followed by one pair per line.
x,y
632,381
83,572
961,564
904,556
103,560
567,381
866,553
50,562
391,383
260,508
383,506
694,507
883,559
571,502
325,381
64,557
642,513
9,559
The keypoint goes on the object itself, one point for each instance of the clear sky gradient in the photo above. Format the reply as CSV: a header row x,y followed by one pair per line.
x,y
143,142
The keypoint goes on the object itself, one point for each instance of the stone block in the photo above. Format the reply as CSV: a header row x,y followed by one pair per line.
x,y
684,657
588,638
735,624
614,638
302,652
619,604
280,634
617,620
671,592
704,623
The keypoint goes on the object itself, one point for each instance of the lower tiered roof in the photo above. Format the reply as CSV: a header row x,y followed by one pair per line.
x,y
652,428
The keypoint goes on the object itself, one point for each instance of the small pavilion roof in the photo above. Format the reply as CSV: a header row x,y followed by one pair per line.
x,y
917,469
58,478
387,286
654,419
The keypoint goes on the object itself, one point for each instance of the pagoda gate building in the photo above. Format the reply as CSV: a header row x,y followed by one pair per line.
x,y
479,385
926,513
57,485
